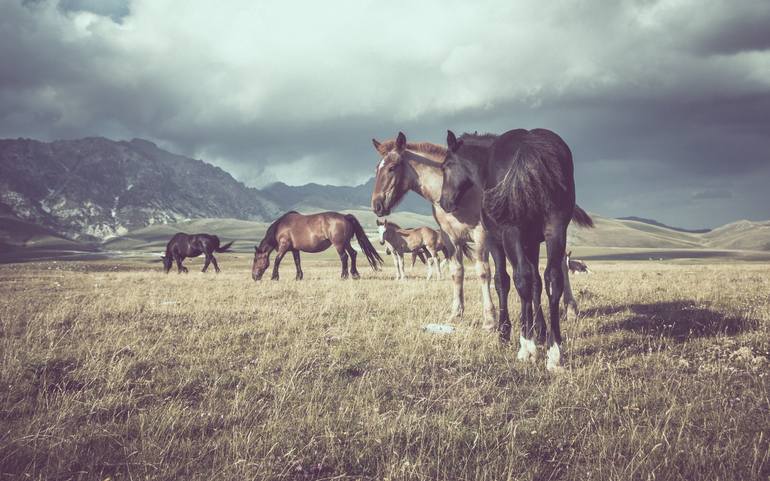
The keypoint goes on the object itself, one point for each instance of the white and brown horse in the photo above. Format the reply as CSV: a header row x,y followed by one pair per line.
x,y
417,167
416,240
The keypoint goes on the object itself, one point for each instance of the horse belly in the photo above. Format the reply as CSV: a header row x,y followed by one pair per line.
x,y
313,247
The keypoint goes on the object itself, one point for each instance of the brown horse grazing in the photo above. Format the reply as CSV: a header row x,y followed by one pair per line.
x,y
186,245
417,167
415,240
294,232
528,197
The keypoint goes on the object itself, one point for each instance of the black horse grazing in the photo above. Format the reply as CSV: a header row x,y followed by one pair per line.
x,y
528,197
192,245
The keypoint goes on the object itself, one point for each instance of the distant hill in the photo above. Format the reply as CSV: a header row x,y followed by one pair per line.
x,y
96,193
315,197
744,234
95,188
660,224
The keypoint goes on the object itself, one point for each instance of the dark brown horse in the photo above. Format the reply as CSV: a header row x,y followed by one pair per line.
x,y
528,197
294,232
184,245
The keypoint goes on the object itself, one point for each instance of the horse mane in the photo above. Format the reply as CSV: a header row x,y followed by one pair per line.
x,y
427,148
269,239
477,138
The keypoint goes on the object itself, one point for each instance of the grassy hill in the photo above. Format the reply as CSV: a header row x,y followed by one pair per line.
x,y
611,238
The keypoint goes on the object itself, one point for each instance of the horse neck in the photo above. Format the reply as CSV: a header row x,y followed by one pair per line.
x,y
393,238
267,245
424,177
476,161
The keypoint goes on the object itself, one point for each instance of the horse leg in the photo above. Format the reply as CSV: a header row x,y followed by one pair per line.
x,y
206,262
532,251
282,249
523,280
570,304
353,255
556,242
216,265
344,259
485,278
295,254
180,268
503,287
395,262
458,276
401,272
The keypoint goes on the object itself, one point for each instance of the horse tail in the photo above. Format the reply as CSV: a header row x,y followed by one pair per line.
x,y
581,217
224,248
371,253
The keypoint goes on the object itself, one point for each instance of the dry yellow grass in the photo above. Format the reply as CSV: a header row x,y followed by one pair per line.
x,y
132,374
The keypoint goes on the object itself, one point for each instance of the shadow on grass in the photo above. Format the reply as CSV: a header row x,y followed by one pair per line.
x,y
679,321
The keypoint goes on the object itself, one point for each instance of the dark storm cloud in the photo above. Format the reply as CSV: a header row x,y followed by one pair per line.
x,y
712,194
656,99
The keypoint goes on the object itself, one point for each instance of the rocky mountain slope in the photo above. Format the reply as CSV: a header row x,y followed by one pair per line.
x,y
95,188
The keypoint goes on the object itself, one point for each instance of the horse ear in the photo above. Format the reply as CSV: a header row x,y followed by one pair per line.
x,y
378,222
256,249
452,142
569,254
400,142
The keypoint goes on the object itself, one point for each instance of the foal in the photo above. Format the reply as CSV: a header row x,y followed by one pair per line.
x,y
413,240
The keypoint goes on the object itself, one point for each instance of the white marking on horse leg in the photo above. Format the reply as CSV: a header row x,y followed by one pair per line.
x,y
430,267
401,266
527,350
490,315
553,359
458,274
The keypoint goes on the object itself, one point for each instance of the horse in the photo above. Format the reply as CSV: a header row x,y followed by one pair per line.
x,y
184,245
294,232
415,240
417,167
528,187
575,266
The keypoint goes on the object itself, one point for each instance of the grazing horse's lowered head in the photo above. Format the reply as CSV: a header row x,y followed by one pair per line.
x,y
261,262
168,261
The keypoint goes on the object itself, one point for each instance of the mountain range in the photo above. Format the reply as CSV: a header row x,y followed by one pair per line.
x,y
92,190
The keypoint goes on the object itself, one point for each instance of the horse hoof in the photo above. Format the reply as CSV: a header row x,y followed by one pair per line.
x,y
553,360
274,278
356,276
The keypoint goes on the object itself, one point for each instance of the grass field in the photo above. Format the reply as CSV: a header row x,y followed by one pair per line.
x,y
110,369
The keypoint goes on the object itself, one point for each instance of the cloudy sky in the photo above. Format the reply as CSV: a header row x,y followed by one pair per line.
x,y
666,104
